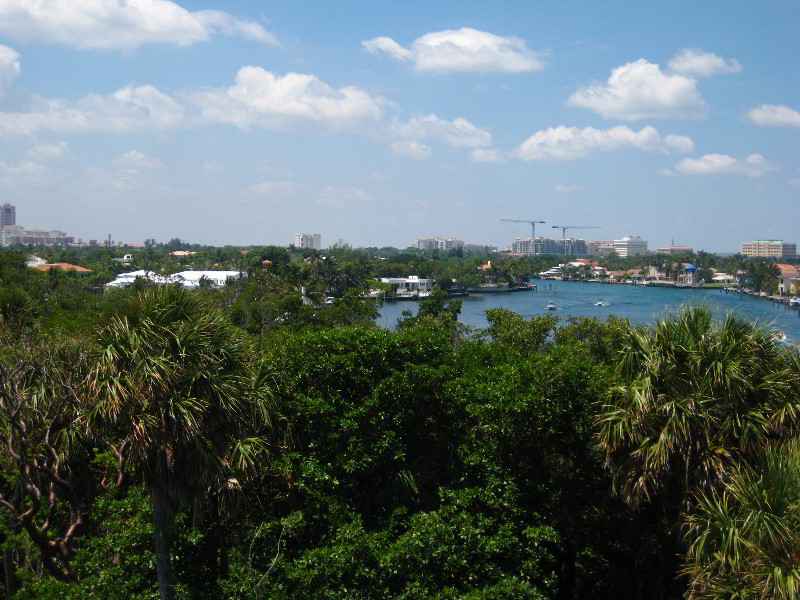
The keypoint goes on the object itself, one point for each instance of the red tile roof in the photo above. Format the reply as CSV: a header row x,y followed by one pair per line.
x,y
64,267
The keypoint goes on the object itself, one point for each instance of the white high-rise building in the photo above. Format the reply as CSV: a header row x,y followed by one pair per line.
x,y
431,244
630,245
308,240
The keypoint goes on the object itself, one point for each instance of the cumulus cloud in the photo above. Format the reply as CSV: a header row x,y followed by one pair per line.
x,y
341,196
679,143
640,90
414,150
259,97
132,108
9,67
565,189
696,63
774,115
572,143
754,165
119,24
489,155
795,181
458,133
461,50
47,151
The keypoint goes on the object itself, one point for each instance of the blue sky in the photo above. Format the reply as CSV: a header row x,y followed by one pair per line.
x,y
377,123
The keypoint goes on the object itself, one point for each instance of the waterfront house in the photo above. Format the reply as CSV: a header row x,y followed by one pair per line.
x,y
409,285
788,279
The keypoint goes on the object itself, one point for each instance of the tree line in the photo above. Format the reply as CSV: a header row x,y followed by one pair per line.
x,y
238,443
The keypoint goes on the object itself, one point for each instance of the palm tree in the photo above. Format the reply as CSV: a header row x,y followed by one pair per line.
x,y
747,536
694,399
171,383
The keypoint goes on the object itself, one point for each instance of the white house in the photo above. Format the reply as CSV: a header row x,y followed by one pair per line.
x,y
411,284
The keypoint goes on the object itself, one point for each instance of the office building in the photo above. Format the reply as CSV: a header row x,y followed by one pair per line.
x,y
549,246
8,215
595,247
769,249
308,240
630,245
444,244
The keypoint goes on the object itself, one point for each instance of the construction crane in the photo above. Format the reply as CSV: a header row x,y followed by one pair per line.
x,y
564,228
533,229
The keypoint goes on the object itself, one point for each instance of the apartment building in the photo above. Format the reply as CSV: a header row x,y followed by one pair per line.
x,y
630,245
431,244
595,247
769,249
308,240
11,235
549,246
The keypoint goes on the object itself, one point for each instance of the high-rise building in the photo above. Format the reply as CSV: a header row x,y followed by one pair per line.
x,y
540,245
769,249
8,215
630,245
431,244
308,240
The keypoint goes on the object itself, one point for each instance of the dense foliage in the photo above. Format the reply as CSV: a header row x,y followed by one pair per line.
x,y
240,443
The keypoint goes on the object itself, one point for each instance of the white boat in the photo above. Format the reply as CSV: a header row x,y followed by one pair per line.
x,y
794,302
551,306
600,303
779,336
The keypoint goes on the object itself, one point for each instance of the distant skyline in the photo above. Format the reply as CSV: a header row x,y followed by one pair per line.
x,y
379,123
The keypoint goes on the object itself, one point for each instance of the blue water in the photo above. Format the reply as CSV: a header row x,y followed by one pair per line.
x,y
640,304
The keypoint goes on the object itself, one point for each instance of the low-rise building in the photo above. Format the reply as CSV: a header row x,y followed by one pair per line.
x,y
411,284
12,235
788,278
186,279
769,249
630,245
673,250
62,266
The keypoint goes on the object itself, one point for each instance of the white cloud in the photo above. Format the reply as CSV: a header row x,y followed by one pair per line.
x,y
565,189
795,181
339,197
9,67
411,149
132,108
133,160
774,115
461,50
696,63
458,133
119,24
47,151
271,187
571,143
754,165
260,97
679,143
489,155
640,90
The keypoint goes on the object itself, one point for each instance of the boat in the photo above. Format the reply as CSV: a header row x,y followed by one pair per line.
x,y
551,306
794,302
600,303
779,336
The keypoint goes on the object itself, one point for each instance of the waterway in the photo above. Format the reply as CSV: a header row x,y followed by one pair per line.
x,y
639,304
